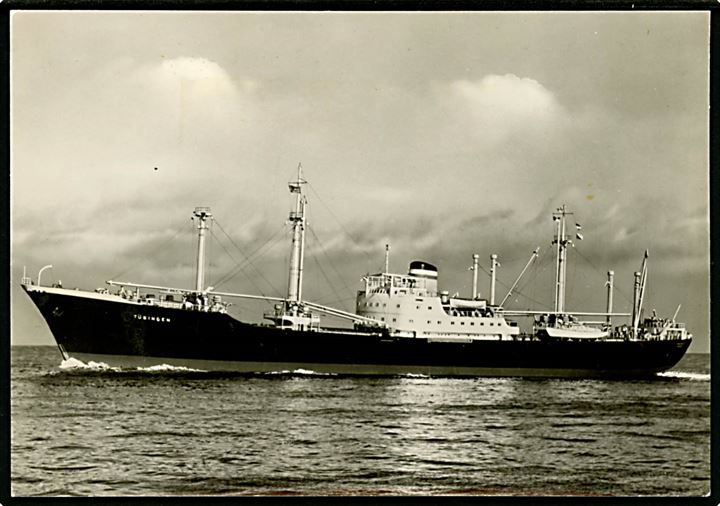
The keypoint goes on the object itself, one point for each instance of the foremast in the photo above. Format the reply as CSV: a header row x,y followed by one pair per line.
x,y
294,314
297,252
290,312
203,215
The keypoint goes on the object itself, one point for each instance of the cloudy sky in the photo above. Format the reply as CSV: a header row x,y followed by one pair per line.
x,y
442,134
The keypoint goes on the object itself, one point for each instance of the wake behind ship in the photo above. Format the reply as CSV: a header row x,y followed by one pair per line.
x,y
402,325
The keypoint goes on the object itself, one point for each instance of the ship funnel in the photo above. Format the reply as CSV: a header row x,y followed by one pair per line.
x,y
423,270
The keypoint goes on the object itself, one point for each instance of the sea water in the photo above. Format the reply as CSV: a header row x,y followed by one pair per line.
x,y
87,429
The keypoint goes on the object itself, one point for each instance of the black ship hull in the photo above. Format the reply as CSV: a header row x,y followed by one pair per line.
x,y
123,334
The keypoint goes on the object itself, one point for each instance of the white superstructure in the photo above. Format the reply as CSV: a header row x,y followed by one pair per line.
x,y
410,305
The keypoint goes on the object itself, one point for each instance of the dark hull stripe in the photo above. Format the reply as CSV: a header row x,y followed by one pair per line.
x,y
136,362
88,327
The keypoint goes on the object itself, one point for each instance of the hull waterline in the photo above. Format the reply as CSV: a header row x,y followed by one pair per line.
x,y
131,335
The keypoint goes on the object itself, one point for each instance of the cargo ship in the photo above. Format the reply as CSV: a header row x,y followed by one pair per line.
x,y
403,324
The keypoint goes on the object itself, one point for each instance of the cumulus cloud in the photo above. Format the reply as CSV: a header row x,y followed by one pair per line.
x,y
197,90
508,105
431,147
132,131
194,69
507,95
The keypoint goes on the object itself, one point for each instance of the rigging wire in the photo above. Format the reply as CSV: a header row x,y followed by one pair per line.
x,y
580,302
521,294
236,262
496,279
327,279
573,277
622,294
515,292
543,262
152,252
322,249
539,269
332,265
240,267
241,253
367,255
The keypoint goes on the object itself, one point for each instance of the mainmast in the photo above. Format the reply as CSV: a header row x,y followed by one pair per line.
x,y
562,239
202,214
561,263
297,253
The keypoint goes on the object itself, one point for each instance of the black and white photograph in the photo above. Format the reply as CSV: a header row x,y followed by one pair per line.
x,y
334,253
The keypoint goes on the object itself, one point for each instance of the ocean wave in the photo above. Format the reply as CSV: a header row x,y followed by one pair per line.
x,y
302,372
75,364
168,368
692,376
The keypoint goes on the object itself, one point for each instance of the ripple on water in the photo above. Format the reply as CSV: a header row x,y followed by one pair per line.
x,y
165,432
